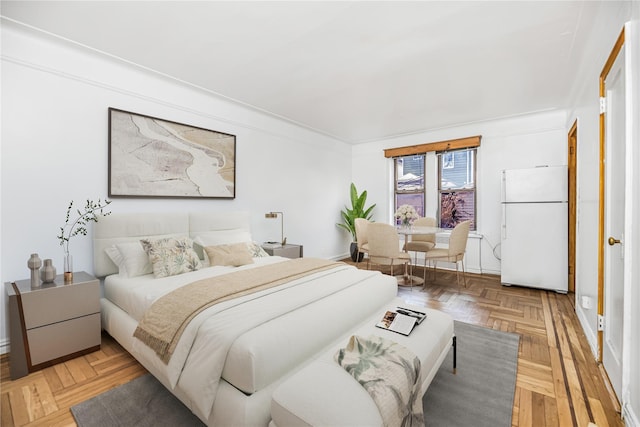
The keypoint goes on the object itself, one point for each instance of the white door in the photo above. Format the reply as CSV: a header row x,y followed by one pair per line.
x,y
614,224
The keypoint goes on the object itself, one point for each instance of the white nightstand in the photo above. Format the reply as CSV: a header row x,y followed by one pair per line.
x,y
288,250
52,323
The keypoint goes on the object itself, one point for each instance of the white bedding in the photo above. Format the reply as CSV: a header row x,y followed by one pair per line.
x,y
252,341
135,295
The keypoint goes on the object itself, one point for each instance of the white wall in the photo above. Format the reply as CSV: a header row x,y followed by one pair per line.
x,y
54,149
612,18
518,142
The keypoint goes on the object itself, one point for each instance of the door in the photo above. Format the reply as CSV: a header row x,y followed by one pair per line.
x,y
614,198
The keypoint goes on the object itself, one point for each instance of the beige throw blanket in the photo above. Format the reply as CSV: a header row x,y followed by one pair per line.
x,y
163,323
390,373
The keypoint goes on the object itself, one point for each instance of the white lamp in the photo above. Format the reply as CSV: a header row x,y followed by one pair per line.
x,y
283,239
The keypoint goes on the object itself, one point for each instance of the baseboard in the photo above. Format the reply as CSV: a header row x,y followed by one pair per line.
x,y
4,346
629,416
592,339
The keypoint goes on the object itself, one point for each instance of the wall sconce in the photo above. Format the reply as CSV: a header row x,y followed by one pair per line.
x,y
283,239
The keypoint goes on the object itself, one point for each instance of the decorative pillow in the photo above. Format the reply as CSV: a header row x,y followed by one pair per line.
x,y
235,254
135,259
171,256
114,255
256,250
220,237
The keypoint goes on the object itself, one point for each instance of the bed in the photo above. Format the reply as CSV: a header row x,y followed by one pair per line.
x,y
231,356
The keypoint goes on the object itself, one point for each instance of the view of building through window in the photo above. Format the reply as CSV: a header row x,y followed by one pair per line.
x,y
409,182
457,170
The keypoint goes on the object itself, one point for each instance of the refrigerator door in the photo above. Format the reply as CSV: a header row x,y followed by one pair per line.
x,y
534,245
543,184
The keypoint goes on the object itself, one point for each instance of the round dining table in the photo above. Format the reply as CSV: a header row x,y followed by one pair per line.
x,y
406,279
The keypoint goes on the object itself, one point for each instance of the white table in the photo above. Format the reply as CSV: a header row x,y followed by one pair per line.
x,y
406,279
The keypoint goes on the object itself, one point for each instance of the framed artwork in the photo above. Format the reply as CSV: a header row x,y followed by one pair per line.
x,y
152,157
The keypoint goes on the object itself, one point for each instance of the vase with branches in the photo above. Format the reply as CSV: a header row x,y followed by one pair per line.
x,y
78,226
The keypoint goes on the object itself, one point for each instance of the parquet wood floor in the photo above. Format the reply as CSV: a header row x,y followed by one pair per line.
x,y
558,381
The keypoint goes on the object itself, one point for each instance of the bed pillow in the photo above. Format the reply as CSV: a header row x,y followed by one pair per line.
x,y
171,256
235,254
256,250
116,257
220,237
134,259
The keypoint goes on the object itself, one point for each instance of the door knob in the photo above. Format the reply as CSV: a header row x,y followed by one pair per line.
x,y
613,241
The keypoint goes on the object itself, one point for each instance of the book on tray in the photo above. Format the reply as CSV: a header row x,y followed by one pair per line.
x,y
402,320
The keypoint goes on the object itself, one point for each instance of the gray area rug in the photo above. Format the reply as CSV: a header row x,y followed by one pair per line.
x,y
142,402
481,392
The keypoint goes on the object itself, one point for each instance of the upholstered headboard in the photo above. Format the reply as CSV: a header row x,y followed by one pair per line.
x,y
129,227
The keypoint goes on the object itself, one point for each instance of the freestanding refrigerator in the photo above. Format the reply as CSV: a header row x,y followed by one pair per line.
x,y
534,228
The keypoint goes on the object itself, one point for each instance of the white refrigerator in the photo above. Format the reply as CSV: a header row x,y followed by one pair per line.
x,y
534,228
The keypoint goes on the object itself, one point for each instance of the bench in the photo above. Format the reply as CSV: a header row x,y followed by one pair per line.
x,y
322,393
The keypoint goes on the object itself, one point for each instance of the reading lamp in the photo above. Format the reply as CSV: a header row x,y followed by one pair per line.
x,y
275,215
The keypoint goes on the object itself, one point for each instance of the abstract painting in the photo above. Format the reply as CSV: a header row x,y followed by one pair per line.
x,y
152,157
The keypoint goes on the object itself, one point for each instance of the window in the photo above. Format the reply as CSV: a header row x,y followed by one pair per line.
x,y
409,182
457,187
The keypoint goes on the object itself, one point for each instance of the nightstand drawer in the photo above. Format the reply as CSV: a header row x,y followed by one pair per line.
x,y
47,306
60,339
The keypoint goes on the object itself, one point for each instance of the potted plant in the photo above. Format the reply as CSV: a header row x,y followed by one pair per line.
x,y
349,217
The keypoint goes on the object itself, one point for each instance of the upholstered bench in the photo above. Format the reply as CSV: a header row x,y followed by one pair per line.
x,y
322,393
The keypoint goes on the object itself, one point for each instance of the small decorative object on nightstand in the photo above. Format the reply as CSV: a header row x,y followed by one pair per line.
x,y
34,265
48,272
78,226
288,250
52,323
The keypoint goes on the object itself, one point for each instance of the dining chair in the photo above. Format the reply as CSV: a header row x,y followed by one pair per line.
x,y
384,247
454,253
422,242
361,225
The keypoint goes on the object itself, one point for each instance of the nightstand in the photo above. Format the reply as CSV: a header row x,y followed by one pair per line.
x,y
287,251
52,323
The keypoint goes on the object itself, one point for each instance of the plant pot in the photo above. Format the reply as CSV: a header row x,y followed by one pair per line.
x,y
356,256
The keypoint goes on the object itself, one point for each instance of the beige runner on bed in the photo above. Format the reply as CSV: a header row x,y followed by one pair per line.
x,y
163,323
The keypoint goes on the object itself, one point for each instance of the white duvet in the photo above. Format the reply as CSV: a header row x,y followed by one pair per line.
x,y
310,312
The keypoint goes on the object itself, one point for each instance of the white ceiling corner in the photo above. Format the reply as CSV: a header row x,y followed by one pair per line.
x,y
359,70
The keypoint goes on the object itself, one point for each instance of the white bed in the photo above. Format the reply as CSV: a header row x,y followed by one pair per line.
x,y
233,355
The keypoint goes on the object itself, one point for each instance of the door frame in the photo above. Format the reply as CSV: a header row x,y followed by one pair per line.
x,y
572,156
617,48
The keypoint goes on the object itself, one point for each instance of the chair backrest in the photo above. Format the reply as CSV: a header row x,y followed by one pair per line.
x,y
361,225
424,222
383,240
458,238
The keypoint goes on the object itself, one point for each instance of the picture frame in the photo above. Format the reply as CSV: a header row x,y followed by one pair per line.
x,y
158,158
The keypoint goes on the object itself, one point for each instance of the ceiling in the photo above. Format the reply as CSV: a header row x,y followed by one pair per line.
x,y
357,71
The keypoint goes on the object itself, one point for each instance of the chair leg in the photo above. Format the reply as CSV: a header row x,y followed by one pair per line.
x,y
457,276
424,271
464,274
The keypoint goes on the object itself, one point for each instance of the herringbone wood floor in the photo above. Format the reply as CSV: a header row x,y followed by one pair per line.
x,y
558,382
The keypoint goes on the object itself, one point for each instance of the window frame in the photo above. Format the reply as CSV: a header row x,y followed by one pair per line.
x,y
439,155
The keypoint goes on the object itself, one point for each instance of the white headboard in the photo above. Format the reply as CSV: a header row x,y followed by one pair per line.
x,y
128,227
